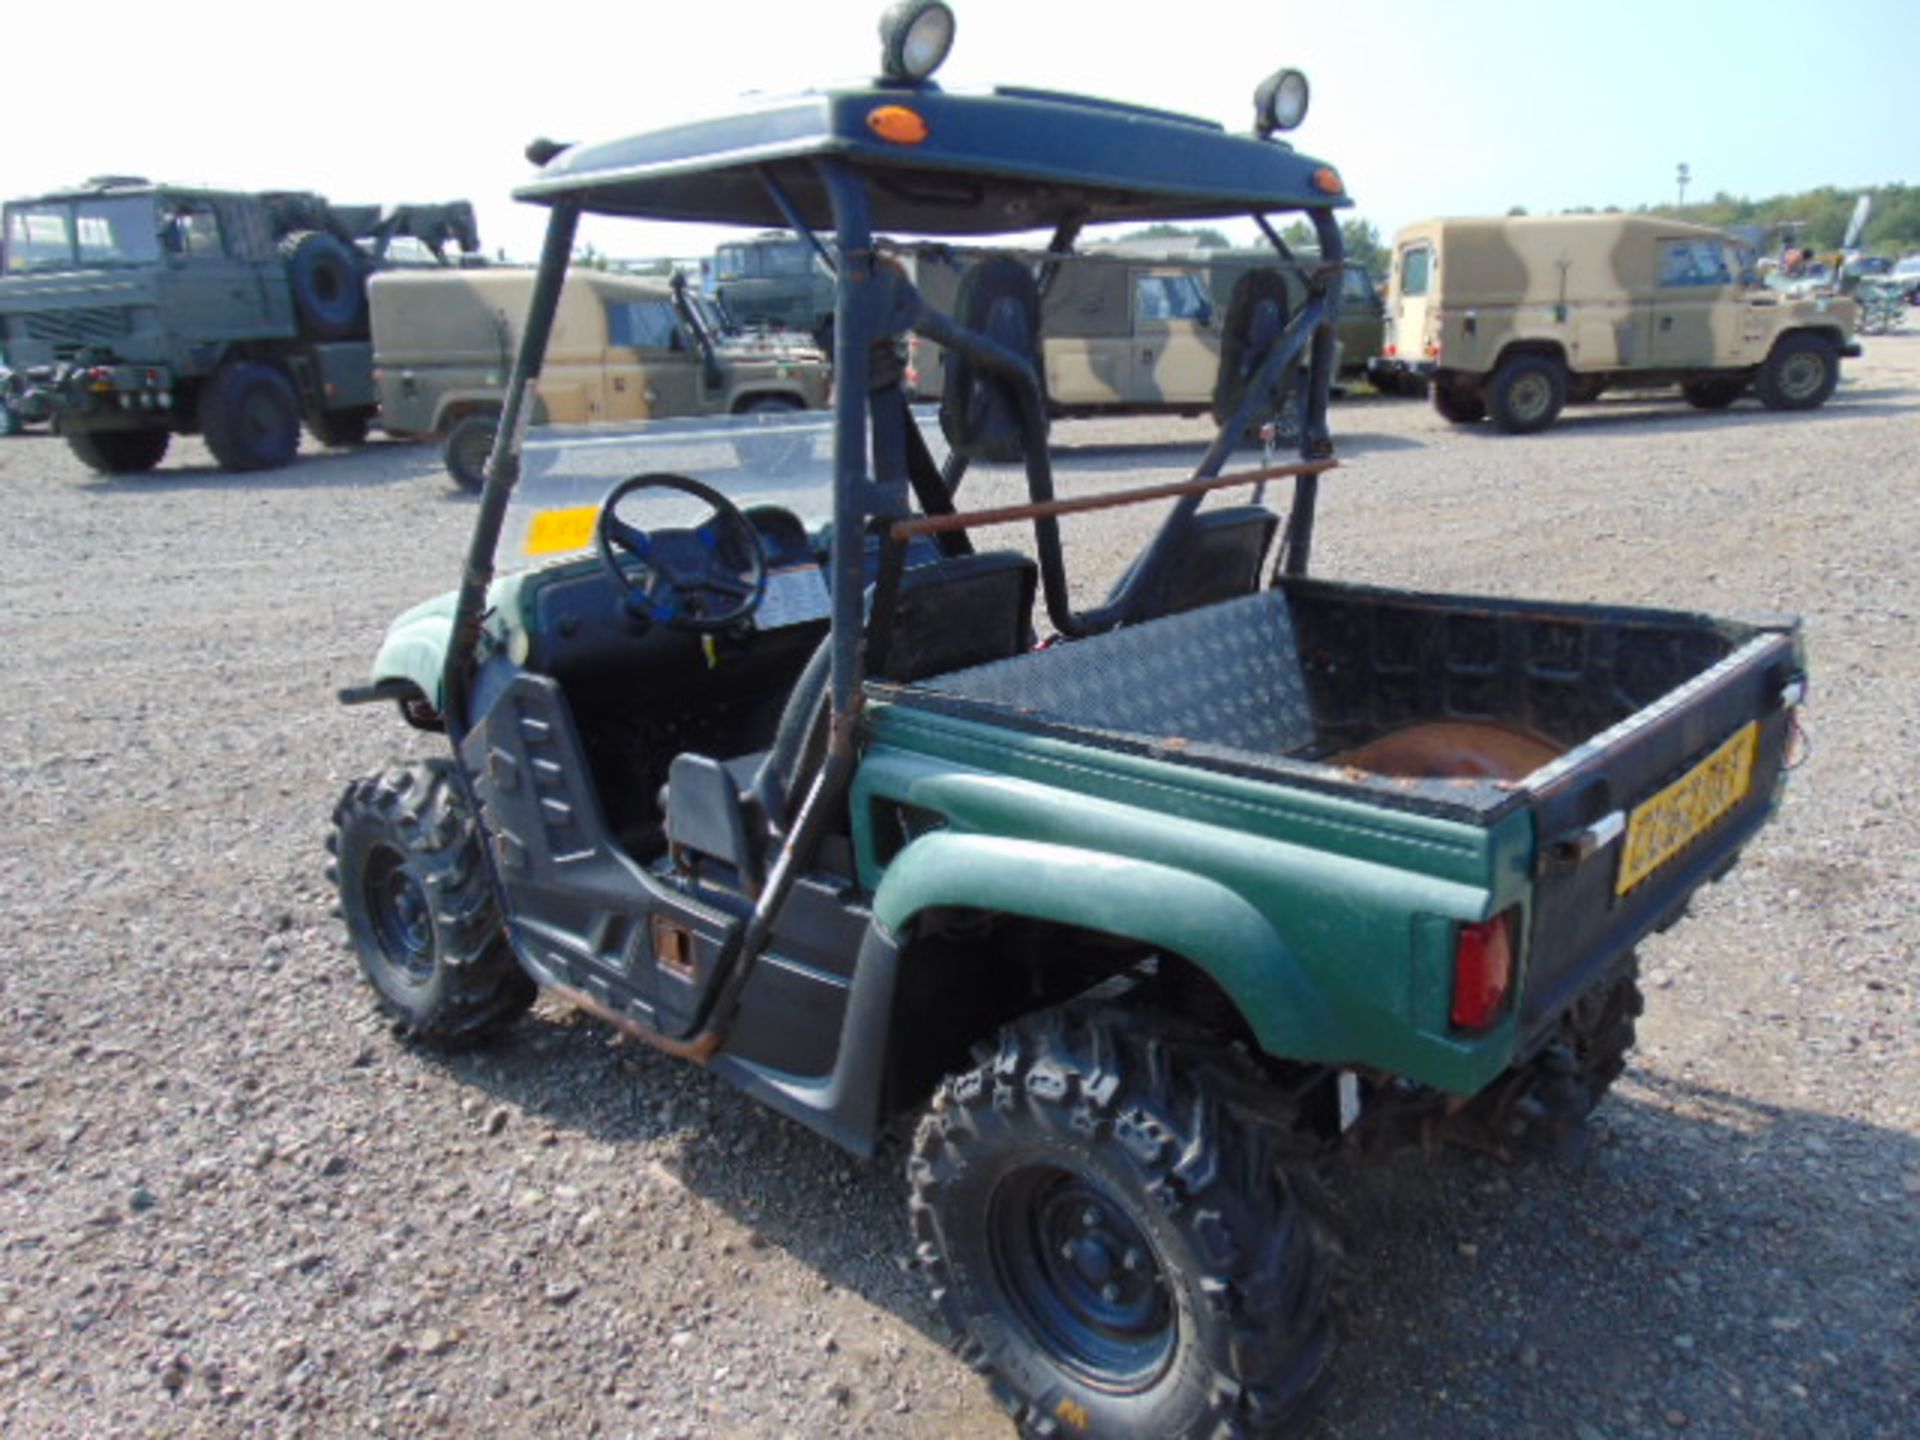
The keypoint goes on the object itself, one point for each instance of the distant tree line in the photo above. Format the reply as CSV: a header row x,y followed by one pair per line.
x,y
1815,218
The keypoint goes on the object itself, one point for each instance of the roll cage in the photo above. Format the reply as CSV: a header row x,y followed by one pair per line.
x,y
1007,162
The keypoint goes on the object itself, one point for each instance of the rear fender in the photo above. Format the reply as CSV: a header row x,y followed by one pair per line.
x,y
1165,908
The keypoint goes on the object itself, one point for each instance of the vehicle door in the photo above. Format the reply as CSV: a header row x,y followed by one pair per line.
x,y
1176,347
1695,305
1409,318
209,291
652,369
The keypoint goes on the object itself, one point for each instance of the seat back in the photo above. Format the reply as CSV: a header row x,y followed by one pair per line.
x,y
1217,555
958,613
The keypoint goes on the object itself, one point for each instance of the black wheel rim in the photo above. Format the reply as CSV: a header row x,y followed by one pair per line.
x,y
1083,1277
402,917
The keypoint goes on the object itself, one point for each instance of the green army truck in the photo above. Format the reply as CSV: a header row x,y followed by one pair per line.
x,y
134,312
624,347
1515,317
776,281
1132,910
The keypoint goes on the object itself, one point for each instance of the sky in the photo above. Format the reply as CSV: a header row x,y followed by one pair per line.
x,y
1427,107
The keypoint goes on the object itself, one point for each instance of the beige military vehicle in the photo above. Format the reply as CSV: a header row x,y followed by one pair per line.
x,y
1121,334
624,348
1512,318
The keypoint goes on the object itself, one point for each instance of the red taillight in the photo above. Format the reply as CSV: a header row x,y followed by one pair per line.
x,y
1482,972
1392,349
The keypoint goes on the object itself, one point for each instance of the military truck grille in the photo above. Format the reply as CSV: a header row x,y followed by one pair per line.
x,y
71,329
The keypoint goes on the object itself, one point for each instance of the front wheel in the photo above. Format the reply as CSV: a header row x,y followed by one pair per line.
x,y
1799,374
250,417
119,452
468,448
420,909
1111,1233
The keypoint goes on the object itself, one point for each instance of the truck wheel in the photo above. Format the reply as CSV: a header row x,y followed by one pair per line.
x,y
1114,1240
1458,405
420,909
1799,374
468,445
340,429
119,452
250,417
323,277
1713,394
1535,1107
1527,393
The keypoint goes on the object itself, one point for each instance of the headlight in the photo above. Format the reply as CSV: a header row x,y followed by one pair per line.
x,y
915,36
1281,101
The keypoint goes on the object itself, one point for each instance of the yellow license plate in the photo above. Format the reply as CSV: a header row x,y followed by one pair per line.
x,y
1663,825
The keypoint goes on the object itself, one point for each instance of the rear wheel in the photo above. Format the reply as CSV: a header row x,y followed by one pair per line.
x,y
1712,394
420,907
1527,393
1106,1223
1799,374
119,452
468,445
250,417
1537,1106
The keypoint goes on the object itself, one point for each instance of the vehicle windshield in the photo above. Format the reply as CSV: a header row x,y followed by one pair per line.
x,y
567,470
762,260
64,234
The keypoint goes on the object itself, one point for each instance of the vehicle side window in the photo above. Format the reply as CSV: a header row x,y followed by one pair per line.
x,y
1416,270
1694,262
193,231
1356,285
1170,297
643,325
795,259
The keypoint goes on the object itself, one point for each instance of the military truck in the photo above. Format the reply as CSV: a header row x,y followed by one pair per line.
x,y
623,348
1124,334
776,281
138,311
1515,317
1132,909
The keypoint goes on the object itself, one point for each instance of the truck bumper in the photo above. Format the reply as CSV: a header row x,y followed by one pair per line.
x,y
1395,368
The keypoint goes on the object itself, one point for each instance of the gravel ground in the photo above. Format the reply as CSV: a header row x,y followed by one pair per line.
x,y
230,1203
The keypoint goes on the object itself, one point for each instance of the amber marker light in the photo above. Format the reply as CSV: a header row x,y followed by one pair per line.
x,y
1327,180
897,124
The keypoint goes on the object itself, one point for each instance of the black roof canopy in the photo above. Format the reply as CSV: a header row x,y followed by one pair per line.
x,y
990,163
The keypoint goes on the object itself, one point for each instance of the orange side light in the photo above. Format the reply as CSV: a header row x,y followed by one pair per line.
x,y
1327,180
897,124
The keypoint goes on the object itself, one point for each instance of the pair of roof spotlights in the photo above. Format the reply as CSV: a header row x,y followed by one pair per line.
x,y
915,36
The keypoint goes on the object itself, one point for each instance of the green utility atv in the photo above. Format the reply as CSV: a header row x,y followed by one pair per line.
x,y
1140,908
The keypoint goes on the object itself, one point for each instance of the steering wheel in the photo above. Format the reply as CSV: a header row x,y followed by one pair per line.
x,y
706,578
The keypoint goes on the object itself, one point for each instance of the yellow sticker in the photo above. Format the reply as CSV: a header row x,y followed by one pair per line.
x,y
1074,1413
554,532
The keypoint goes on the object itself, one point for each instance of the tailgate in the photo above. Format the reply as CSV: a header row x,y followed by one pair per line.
x,y
1628,825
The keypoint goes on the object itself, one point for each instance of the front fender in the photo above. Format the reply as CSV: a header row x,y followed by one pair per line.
x,y
1174,910
415,647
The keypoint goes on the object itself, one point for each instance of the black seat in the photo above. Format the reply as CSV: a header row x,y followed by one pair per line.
x,y
951,615
1217,555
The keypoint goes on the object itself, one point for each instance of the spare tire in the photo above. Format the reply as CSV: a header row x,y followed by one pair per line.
x,y
1257,312
979,412
324,278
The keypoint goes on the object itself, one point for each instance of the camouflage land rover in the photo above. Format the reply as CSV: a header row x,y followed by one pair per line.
x,y
1512,318
624,348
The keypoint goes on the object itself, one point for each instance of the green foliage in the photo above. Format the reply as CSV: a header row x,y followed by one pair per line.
x,y
1819,217
1205,236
